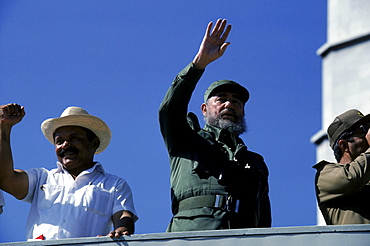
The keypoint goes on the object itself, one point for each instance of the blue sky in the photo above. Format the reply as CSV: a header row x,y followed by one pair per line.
x,y
117,59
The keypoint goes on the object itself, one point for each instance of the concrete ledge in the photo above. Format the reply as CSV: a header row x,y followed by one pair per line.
x,y
287,236
327,47
319,137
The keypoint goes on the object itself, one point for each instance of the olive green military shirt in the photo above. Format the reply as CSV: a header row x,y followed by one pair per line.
x,y
197,157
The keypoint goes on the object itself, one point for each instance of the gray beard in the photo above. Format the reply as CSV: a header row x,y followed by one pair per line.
x,y
238,127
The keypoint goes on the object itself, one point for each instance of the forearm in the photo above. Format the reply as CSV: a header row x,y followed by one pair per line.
x,y
265,219
174,107
179,94
124,224
127,223
6,158
12,181
336,180
200,63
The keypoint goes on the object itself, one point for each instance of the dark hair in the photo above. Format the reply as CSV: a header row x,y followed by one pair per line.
x,y
90,134
338,153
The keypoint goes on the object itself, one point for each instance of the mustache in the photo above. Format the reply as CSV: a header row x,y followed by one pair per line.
x,y
228,111
69,149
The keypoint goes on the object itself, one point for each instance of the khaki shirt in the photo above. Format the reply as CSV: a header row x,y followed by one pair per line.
x,y
343,191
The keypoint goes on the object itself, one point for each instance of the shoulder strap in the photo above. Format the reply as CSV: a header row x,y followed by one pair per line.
x,y
193,121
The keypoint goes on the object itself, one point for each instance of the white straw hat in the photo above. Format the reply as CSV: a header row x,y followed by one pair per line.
x,y
76,116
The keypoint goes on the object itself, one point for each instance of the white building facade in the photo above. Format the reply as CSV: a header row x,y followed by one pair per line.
x,y
345,68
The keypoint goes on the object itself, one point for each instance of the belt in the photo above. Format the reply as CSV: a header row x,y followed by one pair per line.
x,y
217,201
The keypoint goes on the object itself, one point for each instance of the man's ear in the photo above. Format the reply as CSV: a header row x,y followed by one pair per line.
x,y
203,107
343,145
96,143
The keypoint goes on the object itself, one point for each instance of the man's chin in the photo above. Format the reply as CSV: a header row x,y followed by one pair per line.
x,y
228,121
67,162
225,123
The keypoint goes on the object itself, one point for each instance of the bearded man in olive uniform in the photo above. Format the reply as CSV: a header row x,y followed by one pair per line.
x,y
216,183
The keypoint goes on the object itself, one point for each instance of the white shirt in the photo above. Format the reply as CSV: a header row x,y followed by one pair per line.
x,y
2,201
63,207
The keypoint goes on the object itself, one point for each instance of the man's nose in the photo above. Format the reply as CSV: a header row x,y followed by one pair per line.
x,y
228,104
65,144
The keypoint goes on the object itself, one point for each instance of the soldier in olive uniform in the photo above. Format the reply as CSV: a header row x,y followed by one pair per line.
x,y
216,182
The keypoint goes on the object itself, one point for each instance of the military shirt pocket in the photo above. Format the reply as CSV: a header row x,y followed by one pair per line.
x,y
97,200
49,195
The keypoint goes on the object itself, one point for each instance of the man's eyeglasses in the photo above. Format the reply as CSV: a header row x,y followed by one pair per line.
x,y
360,131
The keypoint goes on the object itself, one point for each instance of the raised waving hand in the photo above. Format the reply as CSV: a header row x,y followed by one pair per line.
x,y
213,45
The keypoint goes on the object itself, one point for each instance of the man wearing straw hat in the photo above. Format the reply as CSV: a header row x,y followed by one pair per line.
x,y
78,198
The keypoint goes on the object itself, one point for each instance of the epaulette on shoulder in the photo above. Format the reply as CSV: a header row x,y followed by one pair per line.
x,y
193,122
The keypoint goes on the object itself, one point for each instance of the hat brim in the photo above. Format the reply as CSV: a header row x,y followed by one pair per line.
x,y
238,89
366,118
93,123
348,128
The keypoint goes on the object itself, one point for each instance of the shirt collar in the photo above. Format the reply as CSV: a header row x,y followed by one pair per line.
x,y
214,129
218,131
97,166
221,134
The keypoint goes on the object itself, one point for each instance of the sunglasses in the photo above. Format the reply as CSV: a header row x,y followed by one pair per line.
x,y
360,131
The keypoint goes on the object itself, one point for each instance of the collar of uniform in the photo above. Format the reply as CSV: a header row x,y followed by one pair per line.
x,y
320,164
97,166
220,134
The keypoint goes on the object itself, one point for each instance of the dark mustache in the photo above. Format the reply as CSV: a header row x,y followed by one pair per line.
x,y
69,149
228,110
